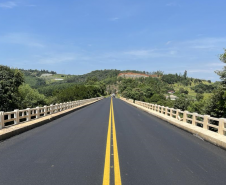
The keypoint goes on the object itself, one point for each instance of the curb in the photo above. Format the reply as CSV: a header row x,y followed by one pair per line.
x,y
209,136
11,131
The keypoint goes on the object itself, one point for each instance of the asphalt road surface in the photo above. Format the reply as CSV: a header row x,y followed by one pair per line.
x,y
110,143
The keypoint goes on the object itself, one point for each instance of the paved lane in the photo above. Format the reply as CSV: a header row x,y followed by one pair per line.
x,y
73,150
67,151
152,151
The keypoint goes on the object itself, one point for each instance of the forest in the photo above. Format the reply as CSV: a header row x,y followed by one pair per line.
x,y
20,88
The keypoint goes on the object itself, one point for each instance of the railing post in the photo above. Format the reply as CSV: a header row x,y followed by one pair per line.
x,y
60,107
185,116
37,112
160,109
16,116
28,114
194,119
177,114
45,110
65,105
151,106
206,121
166,111
221,126
55,108
171,112
2,119
51,109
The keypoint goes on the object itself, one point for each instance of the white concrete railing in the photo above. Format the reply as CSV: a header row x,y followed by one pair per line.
x,y
19,116
204,121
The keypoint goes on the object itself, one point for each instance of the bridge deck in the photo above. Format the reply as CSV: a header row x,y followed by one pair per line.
x,y
72,149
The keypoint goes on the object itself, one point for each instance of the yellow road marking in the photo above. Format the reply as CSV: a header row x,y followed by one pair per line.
x,y
117,175
116,158
106,178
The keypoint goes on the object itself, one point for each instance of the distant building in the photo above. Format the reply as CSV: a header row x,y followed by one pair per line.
x,y
171,97
171,92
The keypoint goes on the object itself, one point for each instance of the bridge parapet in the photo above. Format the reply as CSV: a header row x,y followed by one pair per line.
x,y
19,116
206,122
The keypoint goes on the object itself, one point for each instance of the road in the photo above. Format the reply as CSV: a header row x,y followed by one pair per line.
x,y
106,143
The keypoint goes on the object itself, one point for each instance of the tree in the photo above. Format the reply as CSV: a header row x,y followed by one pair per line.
x,y
158,73
183,91
10,80
30,97
199,96
137,94
185,74
197,106
182,103
222,73
216,106
156,98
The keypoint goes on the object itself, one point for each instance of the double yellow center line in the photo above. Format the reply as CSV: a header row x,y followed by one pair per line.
x,y
117,175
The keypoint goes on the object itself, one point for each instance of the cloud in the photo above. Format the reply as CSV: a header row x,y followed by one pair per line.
x,y
8,4
62,57
21,39
200,71
114,19
171,4
56,59
152,53
168,42
206,43
216,64
31,5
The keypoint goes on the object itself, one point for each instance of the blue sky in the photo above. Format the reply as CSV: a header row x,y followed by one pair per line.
x,y
78,36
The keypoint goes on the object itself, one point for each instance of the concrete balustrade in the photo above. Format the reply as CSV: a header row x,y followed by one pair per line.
x,y
19,116
203,121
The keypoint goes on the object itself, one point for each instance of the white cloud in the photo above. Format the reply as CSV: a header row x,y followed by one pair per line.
x,y
152,53
56,59
21,39
206,43
171,4
200,71
216,64
31,5
8,4
114,19
168,42
62,57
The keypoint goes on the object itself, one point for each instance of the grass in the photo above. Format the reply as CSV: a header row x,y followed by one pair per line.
x,y
51,79
191,92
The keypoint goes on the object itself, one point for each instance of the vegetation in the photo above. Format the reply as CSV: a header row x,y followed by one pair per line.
x,y
194,95
30,88
20,89
10,80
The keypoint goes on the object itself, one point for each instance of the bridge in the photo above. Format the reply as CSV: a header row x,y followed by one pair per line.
x,y
111,141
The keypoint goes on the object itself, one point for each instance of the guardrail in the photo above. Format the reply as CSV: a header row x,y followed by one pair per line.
x,y
204,121
19,116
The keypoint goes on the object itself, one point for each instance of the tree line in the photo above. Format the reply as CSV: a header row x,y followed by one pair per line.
x,y
154,89
16,94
